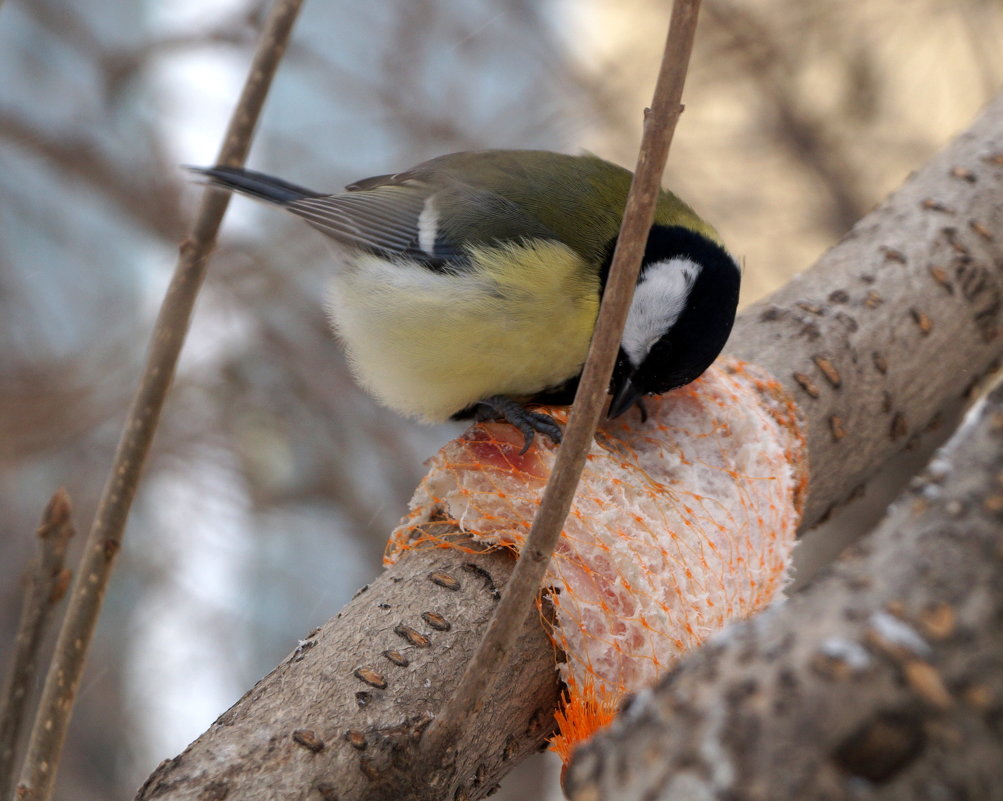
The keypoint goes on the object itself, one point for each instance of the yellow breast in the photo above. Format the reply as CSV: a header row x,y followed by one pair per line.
x,y
429,344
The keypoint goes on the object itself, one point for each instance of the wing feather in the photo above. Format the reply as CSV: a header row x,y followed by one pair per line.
x,y
384,219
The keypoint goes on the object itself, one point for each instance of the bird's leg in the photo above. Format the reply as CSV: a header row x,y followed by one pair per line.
x,y
529,423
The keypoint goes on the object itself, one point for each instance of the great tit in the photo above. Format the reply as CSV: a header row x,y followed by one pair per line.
x,y
468,286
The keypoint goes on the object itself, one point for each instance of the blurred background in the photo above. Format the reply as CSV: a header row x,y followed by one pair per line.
x,y
274,482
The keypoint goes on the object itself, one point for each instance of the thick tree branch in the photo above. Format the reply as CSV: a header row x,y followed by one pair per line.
x,y
861,300
339,717
886,675
895,322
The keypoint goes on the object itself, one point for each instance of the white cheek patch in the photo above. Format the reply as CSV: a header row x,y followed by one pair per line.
x,y
659,299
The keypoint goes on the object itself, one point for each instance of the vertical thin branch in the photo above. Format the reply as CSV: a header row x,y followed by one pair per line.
x,y
47,583
105,537
660,124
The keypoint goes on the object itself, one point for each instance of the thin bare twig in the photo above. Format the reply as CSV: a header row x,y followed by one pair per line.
x,y
105,537
522,589
47,583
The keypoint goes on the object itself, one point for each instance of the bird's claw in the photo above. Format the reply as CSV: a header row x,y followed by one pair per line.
x,y
528,422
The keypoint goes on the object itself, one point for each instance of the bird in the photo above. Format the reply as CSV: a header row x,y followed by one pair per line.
x,y
468,286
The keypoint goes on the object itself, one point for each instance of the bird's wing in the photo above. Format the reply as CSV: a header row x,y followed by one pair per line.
x,y
431,217
397,219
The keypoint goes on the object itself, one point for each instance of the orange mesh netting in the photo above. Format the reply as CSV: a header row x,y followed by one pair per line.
x,y
680,525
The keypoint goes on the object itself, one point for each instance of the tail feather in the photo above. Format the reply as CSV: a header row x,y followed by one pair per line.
x,y
255,184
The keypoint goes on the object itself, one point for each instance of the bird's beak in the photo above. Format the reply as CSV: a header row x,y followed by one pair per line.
x,y
624,396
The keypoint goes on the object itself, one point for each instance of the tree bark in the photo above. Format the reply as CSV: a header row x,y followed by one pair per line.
x,y
884,680
894,324
338,717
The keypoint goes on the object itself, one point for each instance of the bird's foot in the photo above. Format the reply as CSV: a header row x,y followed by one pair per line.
x,y
529,423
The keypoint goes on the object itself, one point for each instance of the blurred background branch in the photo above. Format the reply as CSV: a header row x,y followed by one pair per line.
x,y
64,672
46,585
798,118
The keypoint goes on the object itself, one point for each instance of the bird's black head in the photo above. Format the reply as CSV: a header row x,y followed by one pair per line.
x,y
682,313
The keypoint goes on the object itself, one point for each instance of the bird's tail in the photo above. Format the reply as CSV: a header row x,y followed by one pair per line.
x,y
254,184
